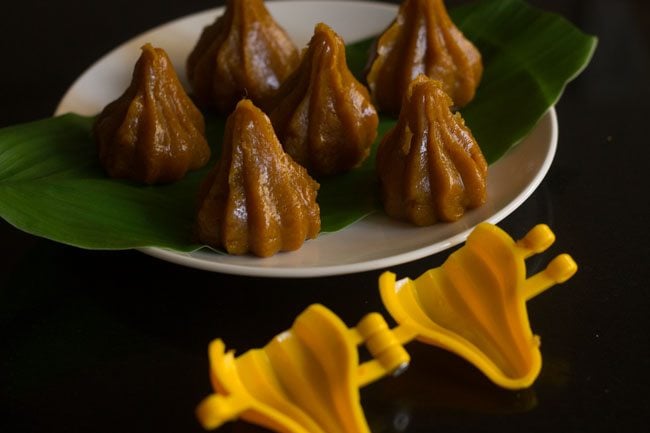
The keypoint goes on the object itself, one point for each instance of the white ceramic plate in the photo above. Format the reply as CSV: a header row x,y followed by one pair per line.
x,y
372,243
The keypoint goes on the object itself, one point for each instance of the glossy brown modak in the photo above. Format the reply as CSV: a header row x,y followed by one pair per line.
x,y
244,53
430,167
153,133
322,115
256,199
423,40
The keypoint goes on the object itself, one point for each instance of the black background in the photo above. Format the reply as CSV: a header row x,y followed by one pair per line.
x,y
86,347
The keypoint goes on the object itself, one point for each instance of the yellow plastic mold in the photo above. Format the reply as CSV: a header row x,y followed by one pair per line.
x,y
474,305
306,379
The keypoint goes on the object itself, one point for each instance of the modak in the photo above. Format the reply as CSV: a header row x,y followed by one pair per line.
x,y
256,199
423,40
153,133
244,53
429,165
322,115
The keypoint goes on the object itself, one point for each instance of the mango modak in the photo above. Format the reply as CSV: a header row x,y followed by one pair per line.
x,y
153,133
423,40
244,53
322,115
429,165
256,199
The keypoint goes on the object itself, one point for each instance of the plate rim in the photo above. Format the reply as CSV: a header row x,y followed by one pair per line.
x,y
188,260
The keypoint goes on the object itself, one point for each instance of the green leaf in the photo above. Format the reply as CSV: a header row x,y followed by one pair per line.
x,y
345,199
529,57
51,184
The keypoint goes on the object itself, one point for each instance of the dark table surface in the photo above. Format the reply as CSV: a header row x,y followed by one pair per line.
x,y
86,346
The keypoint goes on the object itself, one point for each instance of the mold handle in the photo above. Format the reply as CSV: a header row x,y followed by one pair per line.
x,y
558,270
385,345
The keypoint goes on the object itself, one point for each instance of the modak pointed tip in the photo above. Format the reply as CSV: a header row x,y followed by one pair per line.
x,y
430,167
423,39
256,199
323,116
153,133
244,52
